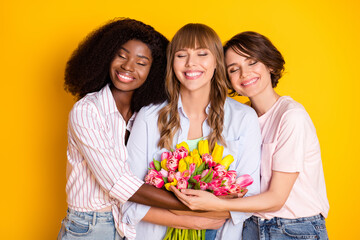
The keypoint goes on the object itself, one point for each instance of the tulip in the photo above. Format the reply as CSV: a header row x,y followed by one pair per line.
x,y
151,174
163,164
232,175
166,155
172,163
157,181
192,168
164,173
220,171
173,183
182,165
197,177
182,183
171,176
203,185
226,161
183,144
180,153
244,180
217,153
208,159
203,147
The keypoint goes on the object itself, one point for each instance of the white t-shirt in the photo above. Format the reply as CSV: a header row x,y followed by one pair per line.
x,y
290,144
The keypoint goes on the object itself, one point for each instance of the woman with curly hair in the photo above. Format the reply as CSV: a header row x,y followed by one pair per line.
x,y
115,71
197,109
293,202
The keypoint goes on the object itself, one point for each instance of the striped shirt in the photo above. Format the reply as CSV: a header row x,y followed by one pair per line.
x,y
97,174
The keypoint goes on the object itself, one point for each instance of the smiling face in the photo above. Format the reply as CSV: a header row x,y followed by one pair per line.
x,y
130,66
194,68
248,76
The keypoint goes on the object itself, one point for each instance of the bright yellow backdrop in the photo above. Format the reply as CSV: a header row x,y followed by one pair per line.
x,y
319,40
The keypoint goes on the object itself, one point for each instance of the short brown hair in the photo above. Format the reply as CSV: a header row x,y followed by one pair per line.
x,y
259,47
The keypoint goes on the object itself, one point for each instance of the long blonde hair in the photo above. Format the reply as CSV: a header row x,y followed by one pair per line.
x,y
189,36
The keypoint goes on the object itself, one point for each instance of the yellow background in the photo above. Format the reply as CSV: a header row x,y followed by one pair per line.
x,y
319,40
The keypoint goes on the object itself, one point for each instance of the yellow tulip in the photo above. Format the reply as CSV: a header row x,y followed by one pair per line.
x,y
182,165
203,147
226,161
217,153
183,144
188,159
163,164
173,183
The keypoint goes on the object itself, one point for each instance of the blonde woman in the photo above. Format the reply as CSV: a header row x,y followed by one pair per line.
x,y
197,109
293,202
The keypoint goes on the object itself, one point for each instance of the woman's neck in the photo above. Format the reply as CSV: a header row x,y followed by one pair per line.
x,y
123,102
264,101
194,103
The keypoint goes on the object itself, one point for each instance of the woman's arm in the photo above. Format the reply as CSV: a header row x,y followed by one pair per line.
x,y
152,196
271,200
166,218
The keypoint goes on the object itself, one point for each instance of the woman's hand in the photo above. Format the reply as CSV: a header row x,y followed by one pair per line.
x,y
199,200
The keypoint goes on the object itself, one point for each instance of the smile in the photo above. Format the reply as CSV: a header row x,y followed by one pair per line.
x,y
192,74
124,77
247,83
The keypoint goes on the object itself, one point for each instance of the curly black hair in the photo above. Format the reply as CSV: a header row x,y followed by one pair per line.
x,y
87,70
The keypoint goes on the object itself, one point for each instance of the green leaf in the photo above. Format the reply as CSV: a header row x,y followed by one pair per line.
x,y
157,165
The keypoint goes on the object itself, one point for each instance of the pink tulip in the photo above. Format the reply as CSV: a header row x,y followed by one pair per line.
x,y
197,177
203,185
214,184
192,167
221,191
172,163
180,153
157,181
208,159
171,176
151,174
232,175
219,171
226,181
152,165
166,155
235,188
203,174
182,184
244,180
164,173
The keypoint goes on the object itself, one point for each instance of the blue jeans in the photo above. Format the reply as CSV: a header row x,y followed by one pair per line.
x,y
88,226
210,234
282,228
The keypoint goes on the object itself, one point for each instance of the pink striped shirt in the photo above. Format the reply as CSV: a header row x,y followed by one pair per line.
x,y
97,174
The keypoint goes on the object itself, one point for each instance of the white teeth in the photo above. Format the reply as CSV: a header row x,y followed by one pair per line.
x,y
248,83
192,74
125,77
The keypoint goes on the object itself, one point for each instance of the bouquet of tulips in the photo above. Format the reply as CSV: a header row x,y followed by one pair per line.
x,y
196,169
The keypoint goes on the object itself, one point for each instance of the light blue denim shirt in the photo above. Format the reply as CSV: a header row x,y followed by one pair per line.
x,y
243,139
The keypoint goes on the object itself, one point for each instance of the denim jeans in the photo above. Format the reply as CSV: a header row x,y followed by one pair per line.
x,y
210,234
282,228
88,225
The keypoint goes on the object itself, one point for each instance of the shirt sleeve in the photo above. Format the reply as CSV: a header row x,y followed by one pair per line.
x,y
105,160
249,159
138,161
289,153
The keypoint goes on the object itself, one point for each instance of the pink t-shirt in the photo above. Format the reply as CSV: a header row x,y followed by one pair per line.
x,y
290,144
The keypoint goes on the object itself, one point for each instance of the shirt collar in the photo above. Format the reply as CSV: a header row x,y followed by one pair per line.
x,y
107,100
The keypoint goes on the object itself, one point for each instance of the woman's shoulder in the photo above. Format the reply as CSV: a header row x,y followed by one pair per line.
x,y
239,109
151,111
